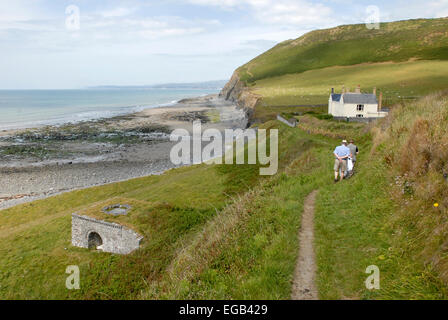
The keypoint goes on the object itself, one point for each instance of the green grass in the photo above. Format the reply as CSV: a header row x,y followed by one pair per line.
x,y
255,256
423,39
385,215
256,261
397,81
167,209
222,232
354,231
265,113
35,237
335,129
249,251
404,60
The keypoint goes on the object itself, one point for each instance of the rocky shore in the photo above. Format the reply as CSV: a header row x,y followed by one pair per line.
x,y
41,162
236,92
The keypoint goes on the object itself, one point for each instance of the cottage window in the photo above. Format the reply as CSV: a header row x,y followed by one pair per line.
x,y
359,116
360,107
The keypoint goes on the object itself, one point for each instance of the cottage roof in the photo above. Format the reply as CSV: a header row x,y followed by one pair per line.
x,y
335,97
360,98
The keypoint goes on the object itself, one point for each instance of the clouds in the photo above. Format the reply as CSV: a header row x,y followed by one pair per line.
x,y
417,9
19,10
278,12
169,32
166,26
298,13
117,12
153,41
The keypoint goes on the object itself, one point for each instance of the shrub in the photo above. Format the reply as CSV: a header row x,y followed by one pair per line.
x,y
414,143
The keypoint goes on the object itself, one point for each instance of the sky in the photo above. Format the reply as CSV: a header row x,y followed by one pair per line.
x,y
57,44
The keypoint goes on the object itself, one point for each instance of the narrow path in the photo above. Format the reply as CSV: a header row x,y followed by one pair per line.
x,y
304,287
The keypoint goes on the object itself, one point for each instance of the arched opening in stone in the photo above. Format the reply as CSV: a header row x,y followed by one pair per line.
x,y
95,240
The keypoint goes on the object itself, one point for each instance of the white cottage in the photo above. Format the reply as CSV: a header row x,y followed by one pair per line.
x,y
355,105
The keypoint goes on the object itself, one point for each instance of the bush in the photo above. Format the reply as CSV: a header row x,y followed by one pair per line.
x,y
415,135
324,116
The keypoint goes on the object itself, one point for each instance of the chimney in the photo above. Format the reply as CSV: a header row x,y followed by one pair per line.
x,y
374,91
358,89
332,90
343,89
380,102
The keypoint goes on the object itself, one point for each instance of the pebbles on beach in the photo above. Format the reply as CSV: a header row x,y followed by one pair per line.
x,y
41,162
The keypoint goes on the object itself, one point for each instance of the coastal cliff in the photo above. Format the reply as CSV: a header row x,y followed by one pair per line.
x,y
236,91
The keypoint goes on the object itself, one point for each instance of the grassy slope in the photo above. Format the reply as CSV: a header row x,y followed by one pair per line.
x,y
385,215
424,39
402,59
35,237
248,250
354,230
372,219
397,81
365,221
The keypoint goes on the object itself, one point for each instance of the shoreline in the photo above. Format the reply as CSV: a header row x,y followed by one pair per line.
x,y
9,202
94,114
42,162
135,110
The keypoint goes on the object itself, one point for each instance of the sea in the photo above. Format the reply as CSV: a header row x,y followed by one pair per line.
x,y
32,108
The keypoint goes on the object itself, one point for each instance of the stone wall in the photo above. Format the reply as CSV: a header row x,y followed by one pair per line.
x,y
116,238
292,123
364,120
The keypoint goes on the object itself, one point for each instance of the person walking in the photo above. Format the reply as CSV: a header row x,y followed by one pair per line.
x,y
341,153
354,152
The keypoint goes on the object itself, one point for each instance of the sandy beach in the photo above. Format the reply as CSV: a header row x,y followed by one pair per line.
x,y
45,161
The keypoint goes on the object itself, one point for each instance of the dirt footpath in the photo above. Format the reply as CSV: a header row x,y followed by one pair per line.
x,y
304,287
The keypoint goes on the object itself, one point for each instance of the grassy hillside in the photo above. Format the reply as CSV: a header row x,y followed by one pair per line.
x,y
167,210
404,60
386,215
424,39
35,238
383,216
219,232
249,250
398,82
223,232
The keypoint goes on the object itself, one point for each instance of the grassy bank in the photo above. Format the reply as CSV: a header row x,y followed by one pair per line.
x,y
35,238
249,250
355,229
422,39
385,215
168,210
398,82
222,232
